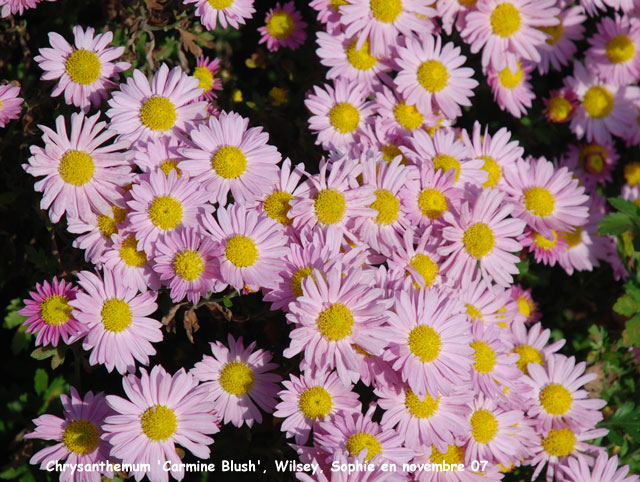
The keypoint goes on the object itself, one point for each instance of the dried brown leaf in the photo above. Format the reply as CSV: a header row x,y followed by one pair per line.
x,y
219,311
168,320
189,42
190,321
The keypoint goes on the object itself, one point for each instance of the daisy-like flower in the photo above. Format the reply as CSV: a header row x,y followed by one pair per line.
x,y
508,29
604,469
80,177
143,111
593,162
532,345
527,306
615,50
78,437
188,263
206,72
454,456
560,45
252,245
161,411
225,155
431,75
49,313
512,91
338,113
13,7
546,250
329,13
545,197
482,238
119,330
283,27
238,381
158,154
483,301
429,342
226,12
416,266
160,204
96,235
311,398
560,105
557,398
85,69
10,103
387,140
337,311
129,264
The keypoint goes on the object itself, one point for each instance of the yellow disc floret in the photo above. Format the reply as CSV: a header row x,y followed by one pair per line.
x,y
555,399
277,206
76,167
81,436
484,426
632,173
360,59
296,280
158,113
159,423
165,212
620,49
55,310
229,162
329,206
559,443
385,10
539,201
425,343
453,456
360,441
420,408
478,240
315,402
116,315
189,265
433,75
528,354
505,20
83,67
426,267
554,32
220,4
493,169
484,356
432,203
169,165
129,252
336,322
204,76
281,25
545,243
237,378
510,80
241,251
407,115
598,102
445,162
387,205
559,108
344,117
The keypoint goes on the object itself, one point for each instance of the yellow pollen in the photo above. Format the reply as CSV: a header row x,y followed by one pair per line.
x,y
433,75
165,212
528,354
76,167
478,240
544,243
408,116
493,169
432,203
281,25
81,436
485,357
360,59
329,206
116,315
453,456
539,201
169,165
205,77
559,109
336,322
620,49
236,378
386,10
559,443
510,80
426,267
359,441
315,402
473,312
83,67
107,225
420,408
387,205
159,423
505,20
598,102
344,117
484,426
632,173
556,399
574,237
277,206
220,4
296,280
525,306
229,162
55,310
505,469
425,343
129,253
241,251
444,162
390,152
189,265
554,32
158,113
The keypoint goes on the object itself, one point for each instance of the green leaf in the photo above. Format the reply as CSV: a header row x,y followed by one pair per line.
x,y
626,421
631,333
626,306
628,207
227,302
13,318
615,223
40,381
42,353
57,387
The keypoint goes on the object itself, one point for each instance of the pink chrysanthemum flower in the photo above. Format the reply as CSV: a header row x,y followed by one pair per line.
x,y
252,245
614,54
419,265
453,13
187,262
338,310
604,108
592,162
512,91
10,103
482,238
532,345
506,30
339,113
238,381
283,27
308,399
329,14
85,69
545,248
119,330
546,198
604,469
226,156
453,455
206,72
80,177
559,47
78,436
381,136
161,411
560,106
49,313
161,204
584,246
483,301
429,342
96,235
527,306
431,76
143,111
158,154
130,265
13,7
227,12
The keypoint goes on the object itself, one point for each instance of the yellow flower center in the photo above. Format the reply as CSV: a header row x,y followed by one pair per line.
x,y
344,117
505,20
363,440
425,343
387,205
444,162
189,265
390,152
426,267
433,75
420,408
241,251
453,456
559,108
83,67
407,116
220,4
574,237
278,96
236,378
539,201
129,252
329,206
598,102
484,426
335,323
544,243
107,225
592,157
478,240
159,423
493,169
281,25
229,162
165,212
432,203
524,306
556,399
620,49
81,436
76,167
116,315
528,354
559,443
510,80
485,357
554,32
360,59
277,206
315,402
55,310
473,312
386,10
169,165
205,77
632,173
158,113
296,280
